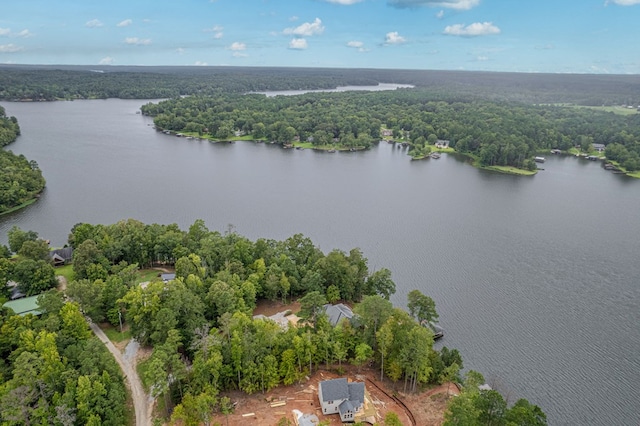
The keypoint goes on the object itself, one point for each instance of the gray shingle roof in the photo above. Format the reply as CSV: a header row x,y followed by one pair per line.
x,y
65,253
335,389
337,312
345,407
356,393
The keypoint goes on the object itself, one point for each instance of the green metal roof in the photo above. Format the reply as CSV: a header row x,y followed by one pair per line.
x,y
24,306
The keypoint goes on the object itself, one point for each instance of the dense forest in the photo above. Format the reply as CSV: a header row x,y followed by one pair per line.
x,y
20,179
205,340
31,82
497,133
53,372
502,119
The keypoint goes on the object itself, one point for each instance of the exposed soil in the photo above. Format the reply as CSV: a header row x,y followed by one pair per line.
x,y
426,408
62,283
268,307
422,409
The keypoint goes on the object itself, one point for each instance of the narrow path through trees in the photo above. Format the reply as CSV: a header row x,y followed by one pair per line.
x,y
140,398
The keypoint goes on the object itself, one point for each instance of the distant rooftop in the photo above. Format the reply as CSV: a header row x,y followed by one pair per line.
x,y
24,306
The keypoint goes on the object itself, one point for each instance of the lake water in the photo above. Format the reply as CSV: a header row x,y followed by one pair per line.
x,y
378,88
536,279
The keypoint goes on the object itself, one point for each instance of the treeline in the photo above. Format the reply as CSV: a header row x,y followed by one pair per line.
x,y
153,83
497,133
32,270
52,372
478,404
20,179
9,128
205,340
20,82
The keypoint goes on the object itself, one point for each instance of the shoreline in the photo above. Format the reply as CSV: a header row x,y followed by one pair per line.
x,y
509,170
21,206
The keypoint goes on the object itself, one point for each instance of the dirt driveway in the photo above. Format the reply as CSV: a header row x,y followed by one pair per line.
x,y
140,398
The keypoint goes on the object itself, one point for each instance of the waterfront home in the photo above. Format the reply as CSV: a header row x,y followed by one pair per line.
x,y
442,143
341,396
61,256
337,313
598,147
24,306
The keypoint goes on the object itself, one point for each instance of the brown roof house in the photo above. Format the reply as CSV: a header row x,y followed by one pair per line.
x,y
62,256
341,396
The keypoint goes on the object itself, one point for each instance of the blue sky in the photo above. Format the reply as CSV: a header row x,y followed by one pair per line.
x,y
577,36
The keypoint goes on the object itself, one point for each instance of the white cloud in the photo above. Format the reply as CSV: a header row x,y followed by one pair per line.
x,y
108,60
394,38
307,29
10,48
293,18
451,4
94,23
482,58
200,63
298,44
440,14
236,45
124,23
137,41
21,34
180,50
216,30
623,2
344,2
239,55
357,45
473,30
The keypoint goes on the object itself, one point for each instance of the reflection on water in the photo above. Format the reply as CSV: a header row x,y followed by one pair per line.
x,y
535,278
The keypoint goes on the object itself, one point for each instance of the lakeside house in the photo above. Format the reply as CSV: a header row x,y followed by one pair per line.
x,y
62,256
337,313
442,144
24,306
598,147
341,396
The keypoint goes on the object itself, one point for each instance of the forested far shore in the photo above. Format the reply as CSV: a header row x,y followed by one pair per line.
x,y
20,179
495,133
48,83
199,323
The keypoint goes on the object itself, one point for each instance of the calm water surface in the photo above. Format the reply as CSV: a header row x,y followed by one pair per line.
x,y
537,280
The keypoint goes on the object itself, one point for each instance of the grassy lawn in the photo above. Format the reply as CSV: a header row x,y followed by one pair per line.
x,y
630,174
306,145
21,206
66,271
142,368
113,333
436,149
145,275
576,151
510,170
309,145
